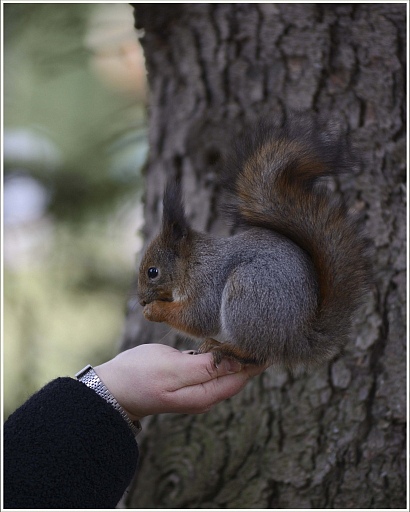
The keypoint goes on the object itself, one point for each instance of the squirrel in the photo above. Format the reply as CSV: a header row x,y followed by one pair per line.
x,y
284,289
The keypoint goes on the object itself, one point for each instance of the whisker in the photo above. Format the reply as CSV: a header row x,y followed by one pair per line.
x,y
165,335
132,302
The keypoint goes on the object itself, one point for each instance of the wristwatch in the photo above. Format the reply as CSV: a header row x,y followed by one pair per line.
x,y
88,377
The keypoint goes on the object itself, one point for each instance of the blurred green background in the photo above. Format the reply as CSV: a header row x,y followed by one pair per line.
x,y
74,142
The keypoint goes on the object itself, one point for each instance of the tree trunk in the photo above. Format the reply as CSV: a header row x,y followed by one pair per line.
x,y
335,438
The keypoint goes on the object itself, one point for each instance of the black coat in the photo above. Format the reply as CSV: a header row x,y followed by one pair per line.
x,y
66,447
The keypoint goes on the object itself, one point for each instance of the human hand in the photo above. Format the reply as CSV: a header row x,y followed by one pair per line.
x,y
154,378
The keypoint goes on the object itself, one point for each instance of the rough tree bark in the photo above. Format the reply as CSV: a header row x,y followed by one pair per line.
x,y
335,438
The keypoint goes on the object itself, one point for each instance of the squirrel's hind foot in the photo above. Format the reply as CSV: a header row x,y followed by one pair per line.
x,y
211,345
220,350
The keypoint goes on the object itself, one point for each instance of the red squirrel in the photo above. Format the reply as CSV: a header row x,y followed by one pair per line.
x,y
285,288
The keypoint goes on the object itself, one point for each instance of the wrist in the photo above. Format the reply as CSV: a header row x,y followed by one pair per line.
x,y
115,380
91,379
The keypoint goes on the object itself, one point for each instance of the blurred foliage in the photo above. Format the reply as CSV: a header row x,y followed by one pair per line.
x,y
74,124
50,89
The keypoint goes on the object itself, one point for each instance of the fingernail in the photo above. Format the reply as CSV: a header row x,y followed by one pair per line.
x,y
232,366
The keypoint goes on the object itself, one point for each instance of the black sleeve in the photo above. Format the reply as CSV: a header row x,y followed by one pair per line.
x,y
66,447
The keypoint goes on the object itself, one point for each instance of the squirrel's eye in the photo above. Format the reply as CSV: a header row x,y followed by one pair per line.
x,y
153,272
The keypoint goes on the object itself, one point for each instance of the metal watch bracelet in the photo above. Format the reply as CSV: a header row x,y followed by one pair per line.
x,y
88,376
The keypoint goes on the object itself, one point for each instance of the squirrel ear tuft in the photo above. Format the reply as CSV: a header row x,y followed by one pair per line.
x,y
174,221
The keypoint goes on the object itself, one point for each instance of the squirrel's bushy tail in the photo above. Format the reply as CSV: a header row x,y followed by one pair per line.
x,y
277,187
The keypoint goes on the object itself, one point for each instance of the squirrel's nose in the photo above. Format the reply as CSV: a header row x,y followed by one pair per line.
x,y
143,303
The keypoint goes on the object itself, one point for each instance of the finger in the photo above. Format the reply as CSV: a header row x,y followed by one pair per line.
x,y
200,398
201,368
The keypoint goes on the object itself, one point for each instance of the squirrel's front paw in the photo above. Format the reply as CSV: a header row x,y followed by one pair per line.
x,y
153,311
